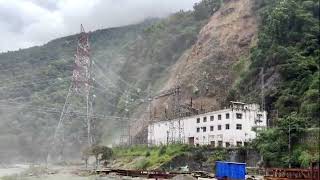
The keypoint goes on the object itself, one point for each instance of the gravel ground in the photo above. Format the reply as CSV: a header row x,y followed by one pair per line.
x,y
54,173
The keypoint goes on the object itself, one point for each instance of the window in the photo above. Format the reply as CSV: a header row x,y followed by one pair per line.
x,y
239,143
213,143
198,120
211,128
219,127
227,126
219,117
204,119
227,116
227,144
198,129
211,118
239,116
204,129
259,118
220,143
239,126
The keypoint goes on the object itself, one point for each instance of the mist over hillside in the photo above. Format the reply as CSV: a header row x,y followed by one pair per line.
x,y
35,81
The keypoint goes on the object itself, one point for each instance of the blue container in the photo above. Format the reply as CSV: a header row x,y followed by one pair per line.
x,y
230,170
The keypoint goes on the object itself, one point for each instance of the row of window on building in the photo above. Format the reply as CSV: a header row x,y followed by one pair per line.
x,y
227,115
227,144
227,127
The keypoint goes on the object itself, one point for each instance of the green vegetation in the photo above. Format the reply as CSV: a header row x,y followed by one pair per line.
x,y
169,157
15,177
288,51
218,155
206,8
274,144
288,46
152,157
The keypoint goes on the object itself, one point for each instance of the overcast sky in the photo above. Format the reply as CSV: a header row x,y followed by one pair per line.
x,y
25,23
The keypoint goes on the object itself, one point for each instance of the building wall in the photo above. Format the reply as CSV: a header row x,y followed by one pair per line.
x,y
200,132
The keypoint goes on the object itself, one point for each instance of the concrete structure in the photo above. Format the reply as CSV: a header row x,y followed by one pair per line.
x,y
230,127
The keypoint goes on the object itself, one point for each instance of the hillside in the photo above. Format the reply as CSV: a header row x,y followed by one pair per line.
x,y
35,81
218,52
205,71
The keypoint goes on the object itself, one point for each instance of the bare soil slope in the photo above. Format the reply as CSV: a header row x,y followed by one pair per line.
x,y
205,70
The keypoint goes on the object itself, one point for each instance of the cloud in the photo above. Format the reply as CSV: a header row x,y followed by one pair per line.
x,y
25,23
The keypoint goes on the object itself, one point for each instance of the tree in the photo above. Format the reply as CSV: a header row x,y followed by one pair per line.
x,y
107,154
218,155
101,153
206,8
85,156
279,146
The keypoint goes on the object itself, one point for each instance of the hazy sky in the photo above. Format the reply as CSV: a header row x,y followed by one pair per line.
x,y
25,23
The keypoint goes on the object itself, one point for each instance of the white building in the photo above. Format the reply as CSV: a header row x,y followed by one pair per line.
x,y
233,126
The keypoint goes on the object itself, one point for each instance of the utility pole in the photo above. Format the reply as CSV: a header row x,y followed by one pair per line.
x,y
125,125
180,121
127,116
80,88
168,137
289,145
150,120
262,89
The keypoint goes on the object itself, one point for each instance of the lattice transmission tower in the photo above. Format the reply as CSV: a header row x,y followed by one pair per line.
x,y
80,93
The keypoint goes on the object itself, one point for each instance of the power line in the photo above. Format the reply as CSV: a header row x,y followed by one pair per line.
x,y
107,78
105,88
119,78
56,110
99,89
21,104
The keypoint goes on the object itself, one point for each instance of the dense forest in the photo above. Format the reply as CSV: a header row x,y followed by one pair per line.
x,y
287,53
